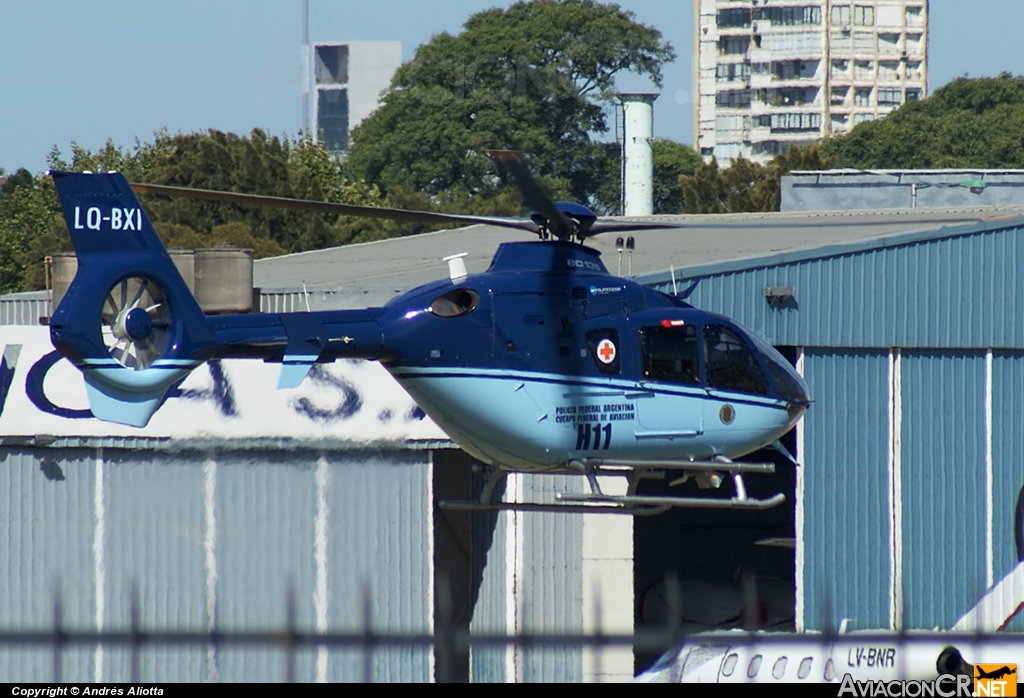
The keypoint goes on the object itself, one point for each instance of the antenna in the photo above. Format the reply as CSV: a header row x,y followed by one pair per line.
x,y
630,244
672,270
457,267
618,246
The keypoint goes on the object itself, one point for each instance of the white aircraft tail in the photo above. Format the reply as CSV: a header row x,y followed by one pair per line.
x,y
997,606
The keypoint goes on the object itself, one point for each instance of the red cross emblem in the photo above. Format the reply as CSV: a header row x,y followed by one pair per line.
x,y
606,351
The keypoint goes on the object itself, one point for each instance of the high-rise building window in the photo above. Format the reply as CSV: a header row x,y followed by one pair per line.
x,y
841,15
862,97
864,15
789,122
914,17
732,71
913,94
734,17
789,16
889,97
888,70
733,45
863,70
768,148
733,98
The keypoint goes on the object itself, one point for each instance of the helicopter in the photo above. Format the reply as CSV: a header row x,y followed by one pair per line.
x,y
544,363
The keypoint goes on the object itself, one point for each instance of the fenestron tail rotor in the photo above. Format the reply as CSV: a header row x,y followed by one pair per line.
x,y
136,322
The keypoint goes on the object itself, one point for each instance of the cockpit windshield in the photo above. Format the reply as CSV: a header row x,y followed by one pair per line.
x,y
729,364
787,381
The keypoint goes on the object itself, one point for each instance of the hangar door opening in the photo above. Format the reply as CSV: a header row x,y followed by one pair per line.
x,y
726,569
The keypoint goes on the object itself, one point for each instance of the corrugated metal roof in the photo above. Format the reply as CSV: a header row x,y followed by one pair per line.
x,y
23,308
373,273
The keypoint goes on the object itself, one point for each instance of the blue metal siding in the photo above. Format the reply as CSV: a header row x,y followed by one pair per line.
x,y
153,508
943,462
47,543
487,664
552,590
957,291
1007,461
156,532
846,529
381,549
549,592
264,548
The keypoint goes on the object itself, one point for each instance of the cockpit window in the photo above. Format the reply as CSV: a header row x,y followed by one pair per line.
x,y
787,382
455,303
670,354
730,364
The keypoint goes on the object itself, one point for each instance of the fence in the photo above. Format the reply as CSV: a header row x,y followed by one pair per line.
x,y
728,656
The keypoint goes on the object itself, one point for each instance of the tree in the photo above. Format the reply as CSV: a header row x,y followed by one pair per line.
x,y
746,186
29,212
31,226
534,77
671,161
968,123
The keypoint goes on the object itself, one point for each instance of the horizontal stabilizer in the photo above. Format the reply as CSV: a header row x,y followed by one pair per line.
x,y
306,339
294,371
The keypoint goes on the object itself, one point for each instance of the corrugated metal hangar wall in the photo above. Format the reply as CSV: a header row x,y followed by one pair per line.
x,y
913,347
215,538
237,496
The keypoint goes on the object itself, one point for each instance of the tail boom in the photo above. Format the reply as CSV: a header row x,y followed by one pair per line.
x,y
129,322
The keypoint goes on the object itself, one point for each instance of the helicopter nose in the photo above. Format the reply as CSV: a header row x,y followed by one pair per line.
x,y
796,411
798,397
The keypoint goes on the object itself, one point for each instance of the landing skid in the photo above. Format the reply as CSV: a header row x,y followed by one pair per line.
x,y
707,474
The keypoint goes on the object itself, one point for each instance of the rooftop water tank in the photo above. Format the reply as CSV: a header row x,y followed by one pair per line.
x,y
224,279
64,266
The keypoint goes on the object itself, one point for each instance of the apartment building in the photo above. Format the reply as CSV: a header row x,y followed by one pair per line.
x,y
772,73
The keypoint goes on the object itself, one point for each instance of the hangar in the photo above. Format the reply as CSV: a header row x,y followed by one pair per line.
x,y
905,323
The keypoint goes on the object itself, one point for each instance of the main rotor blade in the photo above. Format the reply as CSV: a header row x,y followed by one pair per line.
x,y
395,214
534,197
606,226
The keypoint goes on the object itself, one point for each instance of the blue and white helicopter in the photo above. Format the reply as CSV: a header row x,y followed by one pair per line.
x,y
543,363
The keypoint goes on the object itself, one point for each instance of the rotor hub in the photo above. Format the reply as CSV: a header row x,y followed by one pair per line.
x,y
137,324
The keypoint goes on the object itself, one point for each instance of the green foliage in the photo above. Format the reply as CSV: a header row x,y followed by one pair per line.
x,y
671,161
236,234
31,226
534,77
745,186
29,214
968,123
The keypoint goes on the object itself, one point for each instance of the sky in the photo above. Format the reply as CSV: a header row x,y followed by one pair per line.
x,y
123,69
